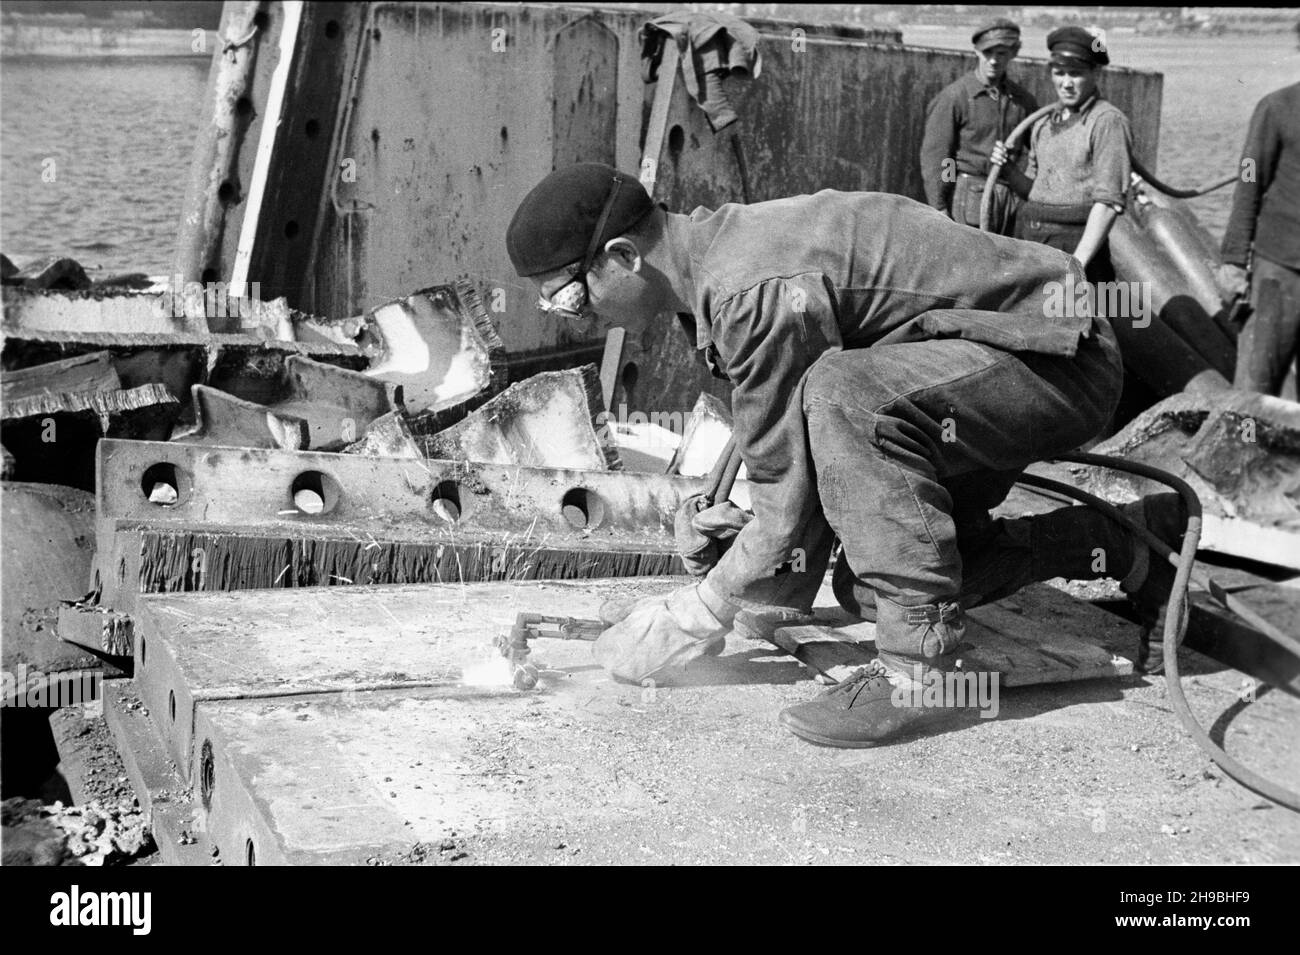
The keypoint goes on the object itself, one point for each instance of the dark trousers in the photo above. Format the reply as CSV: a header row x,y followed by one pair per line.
x,y
1064,236
914,443
1269,341
967,196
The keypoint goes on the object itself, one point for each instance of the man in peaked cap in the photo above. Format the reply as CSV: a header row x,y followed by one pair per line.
x,y
892,372
1076,181
964,121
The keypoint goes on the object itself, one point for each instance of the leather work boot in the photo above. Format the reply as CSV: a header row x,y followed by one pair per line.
x,y
1151,576
875,707
617,608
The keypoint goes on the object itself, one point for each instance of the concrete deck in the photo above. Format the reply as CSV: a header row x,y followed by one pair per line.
x,y
309,747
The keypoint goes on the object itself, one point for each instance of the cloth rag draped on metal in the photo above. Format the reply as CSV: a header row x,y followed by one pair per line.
x,y
713,45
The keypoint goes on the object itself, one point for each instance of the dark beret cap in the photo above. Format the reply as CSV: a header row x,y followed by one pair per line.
x,y
996,32
1075,46
553,226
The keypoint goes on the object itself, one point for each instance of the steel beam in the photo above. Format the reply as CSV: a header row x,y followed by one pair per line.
x,y
243,518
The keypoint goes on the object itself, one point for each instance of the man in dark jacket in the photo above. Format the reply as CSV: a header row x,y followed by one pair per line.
x,y
1261,247
893,373
962,124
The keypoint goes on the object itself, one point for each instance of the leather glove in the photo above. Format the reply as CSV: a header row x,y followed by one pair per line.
x,y
663,634
704,533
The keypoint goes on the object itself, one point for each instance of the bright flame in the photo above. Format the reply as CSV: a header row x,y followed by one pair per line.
x,y
495,672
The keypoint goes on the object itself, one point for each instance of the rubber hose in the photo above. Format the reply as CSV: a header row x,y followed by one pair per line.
x,y
1170,191
986,200
1204,581
1176,613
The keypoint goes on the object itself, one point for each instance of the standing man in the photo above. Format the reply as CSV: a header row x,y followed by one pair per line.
x,y
962,124
893,372
1077,179
1265,221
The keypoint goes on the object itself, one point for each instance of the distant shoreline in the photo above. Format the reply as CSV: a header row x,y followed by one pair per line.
x,y
67,41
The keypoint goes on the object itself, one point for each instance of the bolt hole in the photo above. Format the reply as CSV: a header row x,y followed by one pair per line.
x,y
161,484
249,854
312,128
226,192
629,378
209,275
243,106
676,140
583,508
446,501
171,704
291,229
261,20
314,493
207,773
331,31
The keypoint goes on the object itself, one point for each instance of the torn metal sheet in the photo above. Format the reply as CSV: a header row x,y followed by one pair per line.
x,y
224,420
438,344
387,436
550,420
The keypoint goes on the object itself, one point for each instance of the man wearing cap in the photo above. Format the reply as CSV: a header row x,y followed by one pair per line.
x,y
962,124
1077,179
892,372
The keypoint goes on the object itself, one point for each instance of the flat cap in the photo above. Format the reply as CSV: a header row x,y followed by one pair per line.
x,y
554,224
996,32
1076,46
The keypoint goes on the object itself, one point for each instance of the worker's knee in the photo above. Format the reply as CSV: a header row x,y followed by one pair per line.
x,y
847,379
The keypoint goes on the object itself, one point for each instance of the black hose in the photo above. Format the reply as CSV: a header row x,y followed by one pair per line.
x,y
1178,193
986,200
1204,581
1176,614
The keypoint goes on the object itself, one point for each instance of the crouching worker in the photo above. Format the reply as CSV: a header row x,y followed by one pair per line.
x,y
893,372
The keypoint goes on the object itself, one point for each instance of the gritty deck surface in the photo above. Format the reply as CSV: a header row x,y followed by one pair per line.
x,y
587,770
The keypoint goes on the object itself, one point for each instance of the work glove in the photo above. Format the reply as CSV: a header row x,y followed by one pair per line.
x,y
662,634
705,532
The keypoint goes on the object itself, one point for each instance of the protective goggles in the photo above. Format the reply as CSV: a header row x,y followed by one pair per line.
x,y
570,301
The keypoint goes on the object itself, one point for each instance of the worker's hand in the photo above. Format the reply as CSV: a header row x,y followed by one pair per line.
x,y
1233,282
704,533
660,636
1000,154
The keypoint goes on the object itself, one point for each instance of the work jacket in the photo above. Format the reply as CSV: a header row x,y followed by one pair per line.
x,y
961,125
779,284
1266,203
